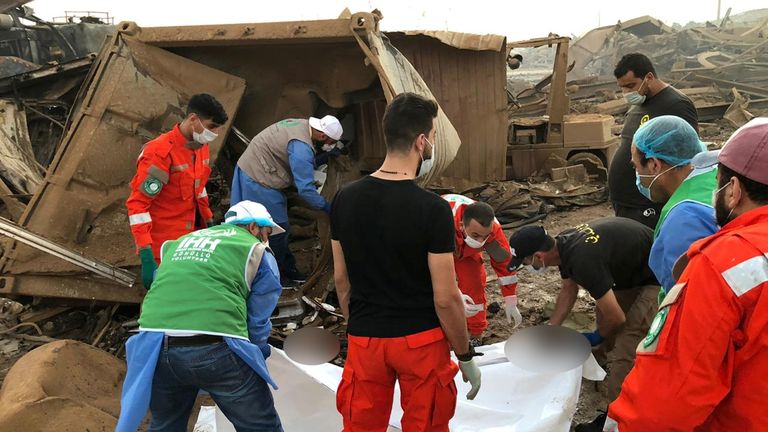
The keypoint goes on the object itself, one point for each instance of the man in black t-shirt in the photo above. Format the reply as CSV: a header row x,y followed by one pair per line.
x,y
648,97
608,257
393,267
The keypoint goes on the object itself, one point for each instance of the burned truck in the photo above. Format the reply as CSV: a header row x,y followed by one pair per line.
x,y
142,78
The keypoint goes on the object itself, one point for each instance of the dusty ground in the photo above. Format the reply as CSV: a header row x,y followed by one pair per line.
x,y
537,294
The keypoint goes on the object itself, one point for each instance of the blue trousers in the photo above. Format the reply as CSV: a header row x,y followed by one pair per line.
x,y
244,188
240,393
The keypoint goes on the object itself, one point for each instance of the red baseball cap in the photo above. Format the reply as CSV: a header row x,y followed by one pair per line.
x,y
746,151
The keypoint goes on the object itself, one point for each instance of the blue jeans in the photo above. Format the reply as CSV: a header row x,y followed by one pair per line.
x,y
286,262
241,394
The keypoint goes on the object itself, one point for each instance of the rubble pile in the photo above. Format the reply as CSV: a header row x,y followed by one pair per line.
x,y
722,67
558,186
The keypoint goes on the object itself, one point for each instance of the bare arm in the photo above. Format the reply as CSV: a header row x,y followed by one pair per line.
x,y
448,303
341,278
610,315
565,301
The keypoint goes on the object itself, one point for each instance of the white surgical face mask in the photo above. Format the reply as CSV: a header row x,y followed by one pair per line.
x,y
426,164
540,270
634,98
474,244
205,137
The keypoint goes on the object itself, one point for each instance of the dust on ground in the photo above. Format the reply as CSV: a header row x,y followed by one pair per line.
x,y
536,296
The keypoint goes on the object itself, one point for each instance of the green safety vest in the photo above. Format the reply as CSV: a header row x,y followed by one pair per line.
x,y
203,282
697,188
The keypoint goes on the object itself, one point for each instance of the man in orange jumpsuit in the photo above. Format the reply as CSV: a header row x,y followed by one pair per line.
x,y
702,365
168,197
477,230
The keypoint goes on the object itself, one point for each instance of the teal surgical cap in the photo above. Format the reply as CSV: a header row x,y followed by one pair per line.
x,y
668,138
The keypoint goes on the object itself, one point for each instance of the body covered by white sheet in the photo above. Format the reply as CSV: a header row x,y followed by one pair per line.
x,y
510,400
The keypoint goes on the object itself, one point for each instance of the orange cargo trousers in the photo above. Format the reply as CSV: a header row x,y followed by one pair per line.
x,y
470,274
422,365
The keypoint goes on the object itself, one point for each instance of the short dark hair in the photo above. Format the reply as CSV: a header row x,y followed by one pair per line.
x,y
638,63
757,192
406,117
480,212
207,108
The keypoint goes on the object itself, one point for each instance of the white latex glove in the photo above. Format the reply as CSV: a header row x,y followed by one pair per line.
x,y
470,308
510,307
470,373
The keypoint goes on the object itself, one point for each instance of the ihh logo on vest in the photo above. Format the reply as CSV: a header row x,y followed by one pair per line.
x,y
196,249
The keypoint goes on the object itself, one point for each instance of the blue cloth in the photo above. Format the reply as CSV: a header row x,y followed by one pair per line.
x,y
301,158
686,222
143,350
240,393
245,188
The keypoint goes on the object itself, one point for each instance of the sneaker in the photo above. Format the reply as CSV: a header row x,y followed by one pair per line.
x,y
295,276
290,283
595,425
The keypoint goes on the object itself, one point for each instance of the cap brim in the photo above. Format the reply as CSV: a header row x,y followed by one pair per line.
x,y
277,229
515,264
705,159
315,123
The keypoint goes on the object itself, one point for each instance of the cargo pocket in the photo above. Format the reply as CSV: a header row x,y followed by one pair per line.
x,y
655,341
445,398
345,392
186,186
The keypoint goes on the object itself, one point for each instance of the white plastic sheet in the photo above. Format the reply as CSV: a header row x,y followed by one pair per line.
x,y
510,399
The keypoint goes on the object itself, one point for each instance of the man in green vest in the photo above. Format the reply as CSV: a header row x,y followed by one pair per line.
x,y
204,326
663,154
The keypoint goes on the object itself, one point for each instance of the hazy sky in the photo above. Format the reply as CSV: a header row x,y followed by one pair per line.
x,y
515,19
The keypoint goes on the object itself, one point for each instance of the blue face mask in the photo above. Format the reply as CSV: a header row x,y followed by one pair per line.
x,y
644,190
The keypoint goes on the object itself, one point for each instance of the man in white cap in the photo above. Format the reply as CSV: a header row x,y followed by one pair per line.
x,y
204,325
281,156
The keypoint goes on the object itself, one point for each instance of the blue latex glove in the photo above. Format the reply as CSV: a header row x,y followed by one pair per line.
x,y
593,337
148,266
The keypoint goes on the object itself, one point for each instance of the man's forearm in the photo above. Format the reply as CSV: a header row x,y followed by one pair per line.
x,y
565,301
342,292
454,323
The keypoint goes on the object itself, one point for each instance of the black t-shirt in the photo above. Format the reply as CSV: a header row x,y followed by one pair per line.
x,y
621,179
607,253
386,229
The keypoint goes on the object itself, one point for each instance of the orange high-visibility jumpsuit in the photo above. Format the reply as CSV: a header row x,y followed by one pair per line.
x,y
470,270
703,365
168,196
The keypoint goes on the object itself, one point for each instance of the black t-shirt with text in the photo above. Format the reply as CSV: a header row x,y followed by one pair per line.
x,y
386,229
621,179
607,253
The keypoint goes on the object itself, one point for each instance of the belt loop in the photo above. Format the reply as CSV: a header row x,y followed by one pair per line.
x,y
165,344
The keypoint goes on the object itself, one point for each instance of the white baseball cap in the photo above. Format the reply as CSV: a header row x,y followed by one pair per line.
x,y
328,125
246,212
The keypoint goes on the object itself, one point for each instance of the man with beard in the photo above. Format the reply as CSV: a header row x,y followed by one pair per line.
x,y
702,364
281,156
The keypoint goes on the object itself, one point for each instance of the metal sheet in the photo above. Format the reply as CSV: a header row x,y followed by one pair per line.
x,y
133,93
398,76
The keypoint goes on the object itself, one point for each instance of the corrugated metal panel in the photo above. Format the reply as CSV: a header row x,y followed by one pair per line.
x,y
469,85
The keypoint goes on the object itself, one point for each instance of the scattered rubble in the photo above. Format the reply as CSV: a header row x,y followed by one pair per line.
x,y
722,67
